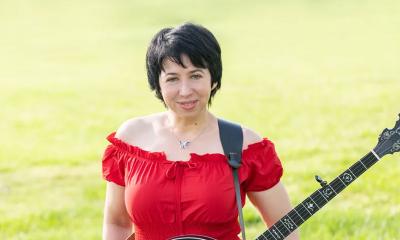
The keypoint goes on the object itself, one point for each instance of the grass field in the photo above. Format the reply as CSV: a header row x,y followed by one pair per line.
x,y
319,78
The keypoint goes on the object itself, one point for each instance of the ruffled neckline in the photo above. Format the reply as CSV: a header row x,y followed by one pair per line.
x,y
162,157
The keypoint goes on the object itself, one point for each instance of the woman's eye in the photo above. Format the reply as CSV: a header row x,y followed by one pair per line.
x,y
196,76
171,79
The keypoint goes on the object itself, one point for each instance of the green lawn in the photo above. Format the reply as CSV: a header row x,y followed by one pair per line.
x,y
319,78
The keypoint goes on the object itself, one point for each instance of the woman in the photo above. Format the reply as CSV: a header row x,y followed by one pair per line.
x,y
167,174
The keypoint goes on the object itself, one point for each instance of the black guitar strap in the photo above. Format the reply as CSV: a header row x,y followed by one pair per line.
x,y
231,136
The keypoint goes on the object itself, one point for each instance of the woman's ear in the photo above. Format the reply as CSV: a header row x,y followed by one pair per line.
x,y
214,85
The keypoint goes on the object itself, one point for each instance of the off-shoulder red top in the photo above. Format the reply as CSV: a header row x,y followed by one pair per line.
x,y
171,198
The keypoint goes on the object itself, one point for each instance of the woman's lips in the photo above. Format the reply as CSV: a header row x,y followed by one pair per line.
x,y
188,105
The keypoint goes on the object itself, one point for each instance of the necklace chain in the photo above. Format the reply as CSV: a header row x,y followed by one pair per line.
x,y
184,144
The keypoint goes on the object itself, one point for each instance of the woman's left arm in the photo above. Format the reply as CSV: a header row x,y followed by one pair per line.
x,y
273,204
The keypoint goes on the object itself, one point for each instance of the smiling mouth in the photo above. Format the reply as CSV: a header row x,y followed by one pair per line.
x,y
188,104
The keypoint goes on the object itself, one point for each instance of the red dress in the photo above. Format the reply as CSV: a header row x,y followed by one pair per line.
x,y
172,198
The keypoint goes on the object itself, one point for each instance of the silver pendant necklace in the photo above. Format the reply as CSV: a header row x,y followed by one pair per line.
x,y
183,144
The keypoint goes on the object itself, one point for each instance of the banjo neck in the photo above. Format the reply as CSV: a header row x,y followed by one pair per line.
x,y
311,205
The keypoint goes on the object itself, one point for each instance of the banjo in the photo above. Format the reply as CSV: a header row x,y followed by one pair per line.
x,y
388,143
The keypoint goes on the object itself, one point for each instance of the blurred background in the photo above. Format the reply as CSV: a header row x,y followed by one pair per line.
x,y
321,79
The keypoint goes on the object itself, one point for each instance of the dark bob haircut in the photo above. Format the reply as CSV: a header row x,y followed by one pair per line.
x,y
195,41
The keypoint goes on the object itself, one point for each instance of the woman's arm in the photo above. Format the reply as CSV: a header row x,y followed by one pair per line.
x,y
116,224
273,204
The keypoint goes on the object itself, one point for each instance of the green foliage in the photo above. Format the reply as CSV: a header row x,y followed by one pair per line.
x,y
319,78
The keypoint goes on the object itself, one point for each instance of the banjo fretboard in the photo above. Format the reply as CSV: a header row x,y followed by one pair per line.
x,y
318,199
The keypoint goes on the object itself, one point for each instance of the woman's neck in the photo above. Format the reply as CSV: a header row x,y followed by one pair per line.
x,y
187,125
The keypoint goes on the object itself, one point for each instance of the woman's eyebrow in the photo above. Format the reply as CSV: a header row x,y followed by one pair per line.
x,y
170,73
196,70
190,72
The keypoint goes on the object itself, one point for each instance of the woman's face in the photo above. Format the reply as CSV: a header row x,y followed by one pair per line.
x,y
185,90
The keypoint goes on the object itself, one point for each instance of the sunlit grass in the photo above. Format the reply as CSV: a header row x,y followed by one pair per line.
x,y
320,79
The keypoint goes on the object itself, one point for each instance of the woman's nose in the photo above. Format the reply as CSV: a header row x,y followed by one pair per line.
x,y
185,88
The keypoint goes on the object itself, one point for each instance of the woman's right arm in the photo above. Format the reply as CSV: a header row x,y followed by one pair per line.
x,y
117,224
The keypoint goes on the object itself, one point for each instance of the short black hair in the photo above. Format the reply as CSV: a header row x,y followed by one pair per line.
x,y
193,40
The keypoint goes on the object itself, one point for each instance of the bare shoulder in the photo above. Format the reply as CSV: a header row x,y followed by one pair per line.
x,y
250,137
136,127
